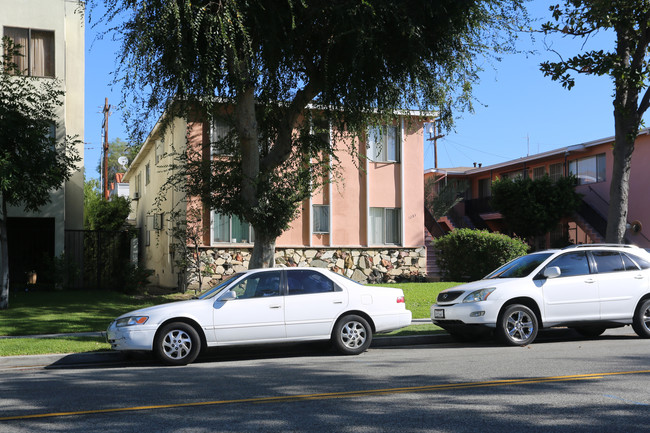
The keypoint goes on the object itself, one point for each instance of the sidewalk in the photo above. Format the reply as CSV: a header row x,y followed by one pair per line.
x,y
110,357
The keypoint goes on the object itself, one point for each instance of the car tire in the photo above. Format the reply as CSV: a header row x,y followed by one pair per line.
x,y
352,335
590,331
177,344
517,325
641,319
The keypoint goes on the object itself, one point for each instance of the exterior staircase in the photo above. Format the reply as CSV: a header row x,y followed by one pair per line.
x,y
593,234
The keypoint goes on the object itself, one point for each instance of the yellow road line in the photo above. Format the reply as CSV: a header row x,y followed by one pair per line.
x,y
345,394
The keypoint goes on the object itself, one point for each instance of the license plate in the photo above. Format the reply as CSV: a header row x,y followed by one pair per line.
x,y
438,314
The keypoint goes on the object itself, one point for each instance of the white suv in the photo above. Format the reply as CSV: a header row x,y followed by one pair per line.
x,y
586,287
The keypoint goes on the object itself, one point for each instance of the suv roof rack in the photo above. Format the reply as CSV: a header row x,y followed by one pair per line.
x,y
600,245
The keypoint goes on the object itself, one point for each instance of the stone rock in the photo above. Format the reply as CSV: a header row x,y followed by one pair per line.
x,y
358,276
310,254
422,262
318,264
340,263
327,255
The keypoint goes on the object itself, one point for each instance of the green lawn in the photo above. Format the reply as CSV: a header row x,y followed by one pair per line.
x,y
32,313
35,313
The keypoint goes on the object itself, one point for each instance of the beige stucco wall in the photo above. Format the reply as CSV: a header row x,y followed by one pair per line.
x,y
66,19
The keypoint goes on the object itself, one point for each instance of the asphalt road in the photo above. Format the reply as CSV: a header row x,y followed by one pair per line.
x,y
560,383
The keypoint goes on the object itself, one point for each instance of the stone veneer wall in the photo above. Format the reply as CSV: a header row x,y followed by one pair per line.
x,y
365,265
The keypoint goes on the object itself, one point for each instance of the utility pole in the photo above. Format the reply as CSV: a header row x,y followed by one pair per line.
x,y
433,136
106,112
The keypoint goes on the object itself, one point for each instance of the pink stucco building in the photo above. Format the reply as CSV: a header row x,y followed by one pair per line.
x,y
369,225
592,164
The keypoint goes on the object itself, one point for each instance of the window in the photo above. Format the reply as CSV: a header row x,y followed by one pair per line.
x,y
572,264
321,128
219,131
555,171
321,216
484,188
385,226
588,170
37,49
147,174
513,175
539,172
383,143
230,229
608,261
302,282
641,263
259,285
160,149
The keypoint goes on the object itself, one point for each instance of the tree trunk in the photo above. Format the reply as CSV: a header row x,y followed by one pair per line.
x,y
4,259
619,187
263,251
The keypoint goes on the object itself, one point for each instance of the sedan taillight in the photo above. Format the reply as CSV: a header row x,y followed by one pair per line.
x,y
400,300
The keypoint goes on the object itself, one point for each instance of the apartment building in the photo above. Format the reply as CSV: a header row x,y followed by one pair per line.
x,y
51,33
368,225
590,162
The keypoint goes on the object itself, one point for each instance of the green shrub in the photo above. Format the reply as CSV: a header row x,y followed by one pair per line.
x,y
468,255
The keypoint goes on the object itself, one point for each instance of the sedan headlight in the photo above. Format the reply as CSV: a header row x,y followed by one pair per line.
x,y
131,320
479,295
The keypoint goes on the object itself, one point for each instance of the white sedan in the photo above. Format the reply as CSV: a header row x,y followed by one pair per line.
x,y
264,306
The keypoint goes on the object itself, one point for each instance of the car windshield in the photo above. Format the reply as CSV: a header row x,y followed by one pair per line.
x,y
213,291
519,267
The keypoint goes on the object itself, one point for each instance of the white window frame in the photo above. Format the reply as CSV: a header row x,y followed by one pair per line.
x,y
320,220
219,129
539,172
213,215
600,162
556,171
147,174
160,149
379,230
384,143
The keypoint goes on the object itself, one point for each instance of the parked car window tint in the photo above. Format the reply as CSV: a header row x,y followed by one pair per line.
x,y
305,281
520,267
629,263
215,290
608,261
572,264
642,263
258,285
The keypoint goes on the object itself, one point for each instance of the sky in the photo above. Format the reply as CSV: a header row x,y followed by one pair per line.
x,y
517,112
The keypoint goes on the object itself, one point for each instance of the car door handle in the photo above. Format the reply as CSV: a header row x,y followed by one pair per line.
x,y
638,277
275,306
590,280
338,302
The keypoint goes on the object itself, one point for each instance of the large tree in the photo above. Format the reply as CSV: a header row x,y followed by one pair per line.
x,y
33,162
357,62
626,64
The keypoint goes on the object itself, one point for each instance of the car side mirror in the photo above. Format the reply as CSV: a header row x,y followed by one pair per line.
x,y
228,296
552,272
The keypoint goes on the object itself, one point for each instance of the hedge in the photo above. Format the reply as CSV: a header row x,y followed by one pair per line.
x,y
468,255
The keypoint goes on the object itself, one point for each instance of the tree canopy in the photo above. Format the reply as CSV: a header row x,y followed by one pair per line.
x,y
627,65
534,207
116,149
32,152
357,62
